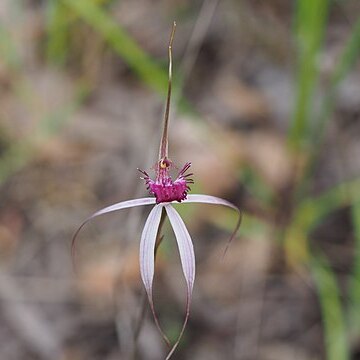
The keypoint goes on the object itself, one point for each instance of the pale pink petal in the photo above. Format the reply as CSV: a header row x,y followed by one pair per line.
x,y
108,209
187,258
123,205
147,247
208,199
147,257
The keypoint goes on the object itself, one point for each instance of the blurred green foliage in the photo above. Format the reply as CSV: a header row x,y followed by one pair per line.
x,y
93,13
310,22
340,320
336,342
306,133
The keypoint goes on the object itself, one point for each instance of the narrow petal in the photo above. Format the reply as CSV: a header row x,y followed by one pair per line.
x,y
208,199
147,258
108,209
147,247
124,205
187,258
185,245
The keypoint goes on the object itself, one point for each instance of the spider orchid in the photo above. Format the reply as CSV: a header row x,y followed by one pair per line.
x,y
165,191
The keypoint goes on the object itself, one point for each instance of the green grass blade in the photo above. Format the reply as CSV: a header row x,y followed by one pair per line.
x,y
310,22
336,343
311,211
349,56
354,291
143,65
347,60
59,20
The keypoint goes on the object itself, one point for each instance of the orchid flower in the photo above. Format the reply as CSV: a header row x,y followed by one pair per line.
x,y
165,191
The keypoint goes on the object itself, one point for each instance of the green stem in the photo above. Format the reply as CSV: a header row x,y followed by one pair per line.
x,y
336,343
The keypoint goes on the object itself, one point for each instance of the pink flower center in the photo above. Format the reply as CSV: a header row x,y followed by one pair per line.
x,y
163,187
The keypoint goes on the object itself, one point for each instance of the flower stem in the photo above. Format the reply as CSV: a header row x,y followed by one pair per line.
x,y
163,153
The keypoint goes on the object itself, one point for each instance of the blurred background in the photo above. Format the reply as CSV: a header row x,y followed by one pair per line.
x,y
265,106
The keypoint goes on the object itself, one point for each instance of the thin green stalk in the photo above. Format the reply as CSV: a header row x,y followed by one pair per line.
x,y
347,61
310,22
59,20
354,291
336,344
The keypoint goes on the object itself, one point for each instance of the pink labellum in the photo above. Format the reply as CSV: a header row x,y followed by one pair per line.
x,y
163,187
